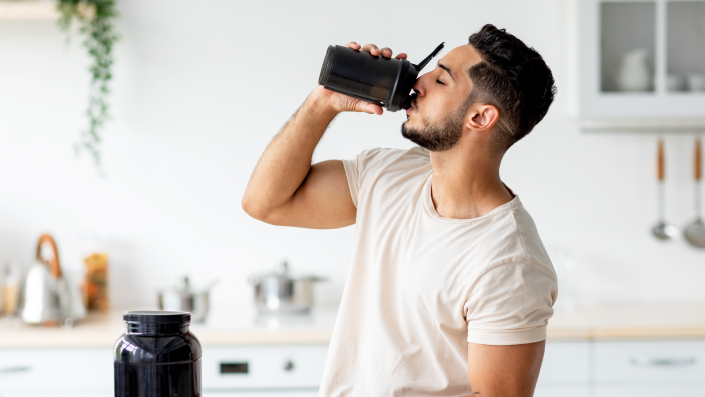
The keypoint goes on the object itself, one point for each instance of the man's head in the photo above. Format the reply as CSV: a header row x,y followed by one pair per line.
x,y
495,87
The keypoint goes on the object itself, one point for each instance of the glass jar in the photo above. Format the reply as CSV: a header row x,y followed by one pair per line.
x,y
157,356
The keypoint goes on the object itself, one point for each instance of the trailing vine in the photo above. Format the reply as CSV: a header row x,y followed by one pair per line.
x,y
96,20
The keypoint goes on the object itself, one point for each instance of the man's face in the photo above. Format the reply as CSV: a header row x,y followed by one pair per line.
x,y
437,114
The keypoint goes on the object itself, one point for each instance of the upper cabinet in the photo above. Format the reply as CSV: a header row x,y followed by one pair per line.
x,y
642,64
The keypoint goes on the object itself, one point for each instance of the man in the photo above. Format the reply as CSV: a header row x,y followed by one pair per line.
x,y
450,288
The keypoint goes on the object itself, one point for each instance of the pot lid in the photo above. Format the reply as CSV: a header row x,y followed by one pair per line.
x,y
184,286
282,272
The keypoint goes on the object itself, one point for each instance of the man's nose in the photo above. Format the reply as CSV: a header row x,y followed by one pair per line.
x,y
419,87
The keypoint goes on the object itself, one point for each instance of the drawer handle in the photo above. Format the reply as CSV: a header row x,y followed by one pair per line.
x,y
647,361
288,365
10,370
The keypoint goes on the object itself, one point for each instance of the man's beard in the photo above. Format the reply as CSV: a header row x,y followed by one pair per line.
x,y
441,135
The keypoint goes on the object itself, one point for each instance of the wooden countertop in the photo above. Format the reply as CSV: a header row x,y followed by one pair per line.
x,y
644,321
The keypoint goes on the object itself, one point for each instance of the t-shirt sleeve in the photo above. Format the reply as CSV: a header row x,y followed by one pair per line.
x,y
511,304
352,172
366,166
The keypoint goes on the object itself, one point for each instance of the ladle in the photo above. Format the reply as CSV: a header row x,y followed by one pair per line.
x,y
694,233
662,230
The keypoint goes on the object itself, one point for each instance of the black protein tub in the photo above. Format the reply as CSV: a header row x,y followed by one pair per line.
x,y
157,356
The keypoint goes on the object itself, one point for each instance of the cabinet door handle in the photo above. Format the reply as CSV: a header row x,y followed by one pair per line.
x,y
9,370
654,361
288,365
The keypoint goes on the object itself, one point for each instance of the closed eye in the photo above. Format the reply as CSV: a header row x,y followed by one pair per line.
x,y
440,82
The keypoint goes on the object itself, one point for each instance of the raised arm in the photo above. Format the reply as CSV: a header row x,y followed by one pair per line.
x,y
285,189
504,371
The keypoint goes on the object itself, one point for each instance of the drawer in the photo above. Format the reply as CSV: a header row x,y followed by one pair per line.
x,y
64,393
675,390
565,362
650,361
270,367
56,371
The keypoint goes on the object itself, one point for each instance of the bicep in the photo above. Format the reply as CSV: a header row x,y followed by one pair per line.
x,y
323,200
504,371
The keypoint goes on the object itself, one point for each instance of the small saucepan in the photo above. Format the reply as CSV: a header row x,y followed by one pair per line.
x,y
280,293
184,299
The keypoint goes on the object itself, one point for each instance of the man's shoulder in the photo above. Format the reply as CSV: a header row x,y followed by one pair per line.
x,y
384,156
508,236
374,164
526,233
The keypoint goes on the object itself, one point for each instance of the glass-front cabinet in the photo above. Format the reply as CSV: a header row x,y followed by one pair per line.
x,y
642,64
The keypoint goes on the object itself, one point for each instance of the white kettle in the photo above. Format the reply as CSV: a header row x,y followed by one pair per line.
x,y
48,297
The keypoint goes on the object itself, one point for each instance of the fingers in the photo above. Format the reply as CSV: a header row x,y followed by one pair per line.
x,y
374,50
386,52
371,48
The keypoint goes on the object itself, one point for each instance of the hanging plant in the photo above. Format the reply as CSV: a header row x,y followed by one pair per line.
x,y
96,20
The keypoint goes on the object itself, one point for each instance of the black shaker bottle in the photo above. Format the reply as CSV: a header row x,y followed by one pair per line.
x,y
157,356
386,82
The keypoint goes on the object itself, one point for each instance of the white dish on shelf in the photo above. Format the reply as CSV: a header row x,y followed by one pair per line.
x,y
696,82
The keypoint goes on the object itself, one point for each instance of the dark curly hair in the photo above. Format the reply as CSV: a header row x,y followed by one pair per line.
x,y
515,79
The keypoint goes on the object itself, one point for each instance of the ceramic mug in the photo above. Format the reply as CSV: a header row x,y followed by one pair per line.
x,y
696,82
675,82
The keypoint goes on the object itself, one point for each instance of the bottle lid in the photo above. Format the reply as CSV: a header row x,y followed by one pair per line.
x,y
153,322
156,317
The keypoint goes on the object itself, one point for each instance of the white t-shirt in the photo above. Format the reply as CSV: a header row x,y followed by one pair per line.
x,y
422,286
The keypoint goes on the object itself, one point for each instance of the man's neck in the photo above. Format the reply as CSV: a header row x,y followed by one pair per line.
x,y
466,183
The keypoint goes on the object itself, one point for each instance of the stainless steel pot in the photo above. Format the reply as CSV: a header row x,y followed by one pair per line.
x,y
280,293
184,299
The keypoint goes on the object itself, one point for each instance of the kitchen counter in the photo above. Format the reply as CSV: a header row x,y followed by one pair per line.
x,y
619,321
652,321
221,329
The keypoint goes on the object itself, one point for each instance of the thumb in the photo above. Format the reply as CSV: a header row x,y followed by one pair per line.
x,y
372,109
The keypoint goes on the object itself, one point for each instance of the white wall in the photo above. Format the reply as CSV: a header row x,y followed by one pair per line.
x,y
202,86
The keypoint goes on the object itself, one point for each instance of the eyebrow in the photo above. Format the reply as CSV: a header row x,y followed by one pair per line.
x,y
447,69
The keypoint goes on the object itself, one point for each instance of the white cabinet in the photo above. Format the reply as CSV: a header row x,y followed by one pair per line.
x,y
650,391
649,362
226,371
641,64
263,367
550,391
64,393
56,372
565,363
570,369
262,394
565,370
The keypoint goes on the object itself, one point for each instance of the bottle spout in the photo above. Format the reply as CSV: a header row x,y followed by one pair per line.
x,y
428,58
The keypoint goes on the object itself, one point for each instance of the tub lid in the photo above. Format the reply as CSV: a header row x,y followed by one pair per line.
x,y
156,317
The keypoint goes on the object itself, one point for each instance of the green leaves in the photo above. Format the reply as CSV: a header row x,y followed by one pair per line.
x,y
96,19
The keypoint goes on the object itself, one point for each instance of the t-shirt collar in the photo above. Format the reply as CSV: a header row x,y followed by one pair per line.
x,y
431,209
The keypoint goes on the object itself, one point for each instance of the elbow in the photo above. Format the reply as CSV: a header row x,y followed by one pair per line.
x,y
257,210
251,208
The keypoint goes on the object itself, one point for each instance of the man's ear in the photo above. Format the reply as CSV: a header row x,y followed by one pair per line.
x,y
482,117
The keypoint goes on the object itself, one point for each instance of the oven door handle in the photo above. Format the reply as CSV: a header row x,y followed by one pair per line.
x,y
16,369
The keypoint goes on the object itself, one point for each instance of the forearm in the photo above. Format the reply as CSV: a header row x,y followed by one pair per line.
x,y
287,161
